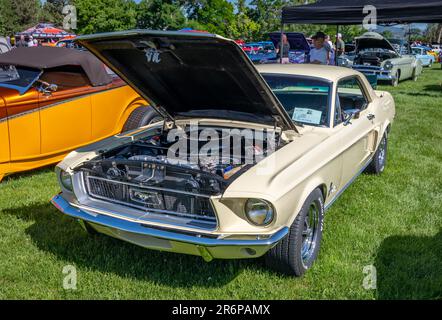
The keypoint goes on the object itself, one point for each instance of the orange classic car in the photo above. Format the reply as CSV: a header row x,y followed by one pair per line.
x,y
54,100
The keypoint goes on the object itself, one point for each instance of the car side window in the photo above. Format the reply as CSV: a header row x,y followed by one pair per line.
x,y
339,117
351,96
66,78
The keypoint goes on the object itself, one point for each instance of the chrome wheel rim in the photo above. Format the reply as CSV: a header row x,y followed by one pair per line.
x,y
309,233
382,153
396,81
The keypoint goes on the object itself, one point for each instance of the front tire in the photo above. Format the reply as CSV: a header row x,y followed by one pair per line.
x,y
395,82
377,165
296,253
140,117
415,76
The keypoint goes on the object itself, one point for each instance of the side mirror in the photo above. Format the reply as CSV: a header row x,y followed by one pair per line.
x,y
53,87
46,88
354,114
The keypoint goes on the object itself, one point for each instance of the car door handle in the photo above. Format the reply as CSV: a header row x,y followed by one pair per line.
x,y
371,117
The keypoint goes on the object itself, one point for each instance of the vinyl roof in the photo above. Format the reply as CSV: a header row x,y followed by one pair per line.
x,y
52,57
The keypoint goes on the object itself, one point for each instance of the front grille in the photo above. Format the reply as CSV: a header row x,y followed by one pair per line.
x,y
151,199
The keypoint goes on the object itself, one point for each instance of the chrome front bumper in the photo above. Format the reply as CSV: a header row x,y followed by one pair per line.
x,y
382,75
159,239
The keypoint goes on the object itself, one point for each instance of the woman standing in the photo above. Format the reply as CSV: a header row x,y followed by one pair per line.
x,y
285,50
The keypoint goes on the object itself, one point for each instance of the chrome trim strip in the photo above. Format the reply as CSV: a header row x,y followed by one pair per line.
x,y
38,109
95,211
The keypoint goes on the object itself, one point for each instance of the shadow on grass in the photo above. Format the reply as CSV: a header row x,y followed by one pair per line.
x,y
410,267
63,237
433,88
25,174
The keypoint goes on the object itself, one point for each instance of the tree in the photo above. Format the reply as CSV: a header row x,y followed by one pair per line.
x,y
434,33
162,15
17,15
245,28
8,20
52,11
387,34
216,16
267,14
26,11
105,15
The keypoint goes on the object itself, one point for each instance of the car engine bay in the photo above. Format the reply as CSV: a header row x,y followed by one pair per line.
x,y
153,161
373,58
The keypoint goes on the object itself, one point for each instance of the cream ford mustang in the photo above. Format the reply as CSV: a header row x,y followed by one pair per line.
x,y
244,164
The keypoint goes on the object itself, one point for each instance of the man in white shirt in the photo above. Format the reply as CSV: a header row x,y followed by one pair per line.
x,y
31,42
319,54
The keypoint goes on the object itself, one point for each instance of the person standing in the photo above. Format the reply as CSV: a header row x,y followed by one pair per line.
x,y
328,44
31,42
319,54
21,42
340,45
285,47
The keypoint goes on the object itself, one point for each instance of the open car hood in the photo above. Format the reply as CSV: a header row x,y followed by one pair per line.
x,y
373,40
190,75
297,40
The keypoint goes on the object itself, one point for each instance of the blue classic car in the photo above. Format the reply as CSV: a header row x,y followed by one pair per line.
x,y
422,54
261,52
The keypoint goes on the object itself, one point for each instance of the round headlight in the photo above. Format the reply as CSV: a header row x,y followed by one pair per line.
x,y
66,180
343,62
388,65
259,212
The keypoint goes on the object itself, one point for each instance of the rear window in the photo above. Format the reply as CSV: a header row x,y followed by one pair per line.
x,y
306,100
18,78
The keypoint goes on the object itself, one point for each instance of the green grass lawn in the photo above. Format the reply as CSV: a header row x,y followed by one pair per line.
x,y
393,222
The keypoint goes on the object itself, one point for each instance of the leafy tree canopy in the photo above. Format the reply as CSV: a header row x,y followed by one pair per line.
x,y
250,20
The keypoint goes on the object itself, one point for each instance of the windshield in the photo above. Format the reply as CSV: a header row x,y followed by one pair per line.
x,y
306,100
18,78
417,51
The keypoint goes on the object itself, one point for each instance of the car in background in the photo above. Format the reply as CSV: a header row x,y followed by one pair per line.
x,y
423,56
350,47
391,63
54,100
69,43
252,47
434,53
299,46
308,131
240,42
266,53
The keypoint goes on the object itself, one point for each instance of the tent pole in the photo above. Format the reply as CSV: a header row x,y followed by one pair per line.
x,y
336,39
281,45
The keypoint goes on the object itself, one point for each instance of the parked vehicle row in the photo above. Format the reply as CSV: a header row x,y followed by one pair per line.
x,y
381,60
